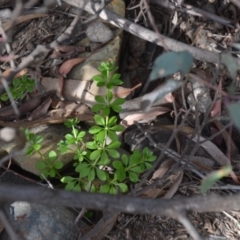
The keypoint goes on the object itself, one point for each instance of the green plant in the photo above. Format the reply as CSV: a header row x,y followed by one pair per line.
x,y
20,87
91,157
48,166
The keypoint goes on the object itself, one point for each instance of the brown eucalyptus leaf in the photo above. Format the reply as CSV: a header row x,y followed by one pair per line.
x,y
67,66
41,110
142,117
175,185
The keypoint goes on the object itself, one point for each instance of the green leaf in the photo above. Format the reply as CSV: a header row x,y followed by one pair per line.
x,y
4,97
70,186
77,188
109,96
82,167
134,160
100,99
97,107
99,120
152,158
67,179
101,136
171,62
58,165
117,108
231,63
91,145
105,188
101,174
112,121
16,82
117,128
120,175
113,153
39,139
41,165
81,134
136,169
106,110
148,165
99,79
234,112
114,145
52,172
91,175
52,156
95,129
117,82
118,165
112,135
83,170
149,99
125,160
95,154
112,190
109,85
123,187
71,122
24,78
104,160
213,177
69,137
119,101
37,146
133,176
101,84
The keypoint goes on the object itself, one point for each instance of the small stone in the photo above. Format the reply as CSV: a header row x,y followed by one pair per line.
x,y
35,221
99,32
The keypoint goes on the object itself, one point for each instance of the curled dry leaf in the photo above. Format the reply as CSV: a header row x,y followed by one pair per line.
x,y
213,150
142,117
217,107
226,137
67,66
19,74
41,110
176,181
159,173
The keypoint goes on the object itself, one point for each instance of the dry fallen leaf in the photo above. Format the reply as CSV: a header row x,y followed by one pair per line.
x,y
142,117
41,110
19,74
69,64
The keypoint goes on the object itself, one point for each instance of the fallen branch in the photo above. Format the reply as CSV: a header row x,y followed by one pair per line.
x,y
146,34
105,202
